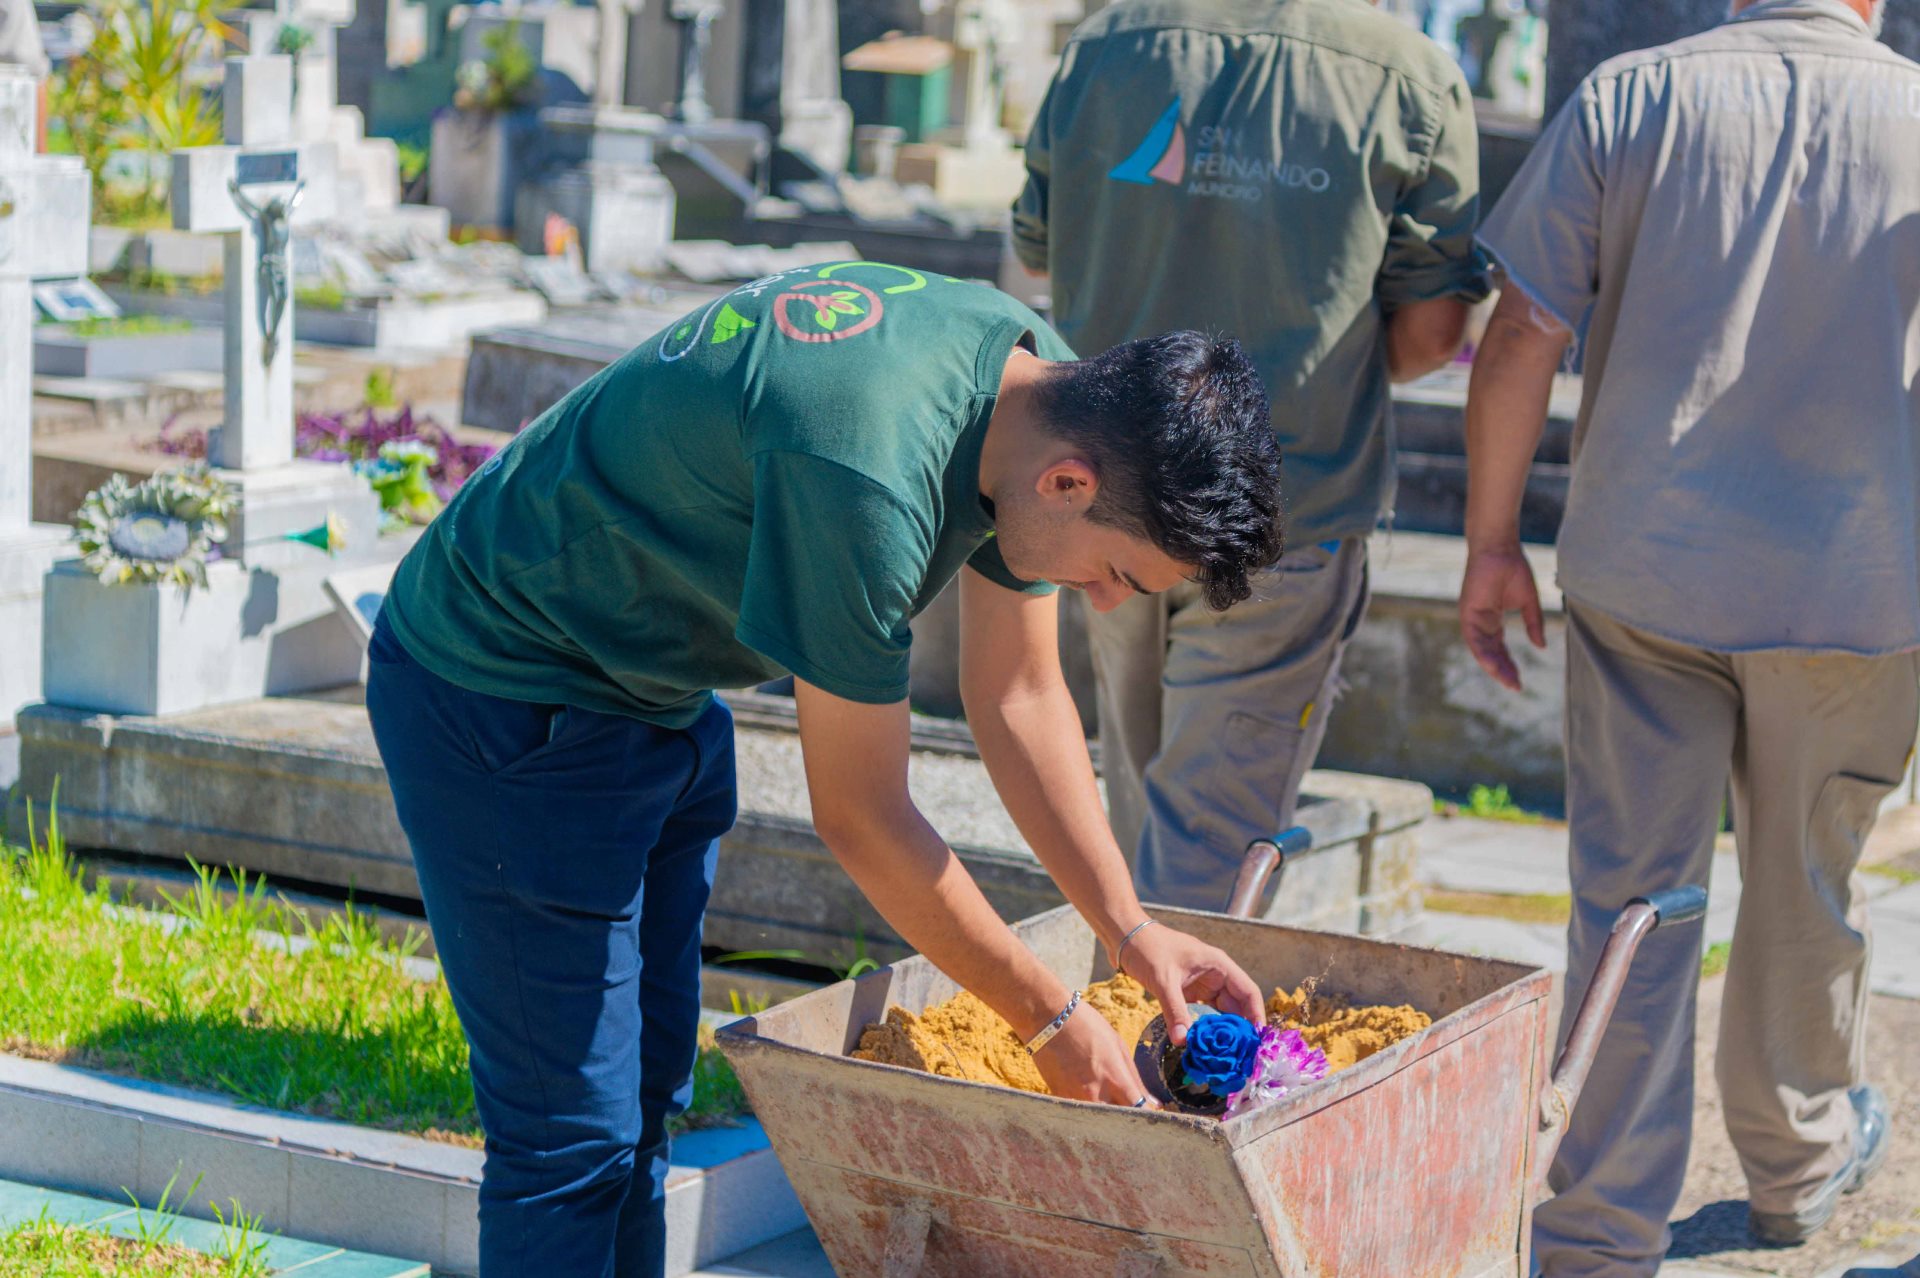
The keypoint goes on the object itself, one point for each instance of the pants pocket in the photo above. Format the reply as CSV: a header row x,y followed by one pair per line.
x,y
1253,782
1837,829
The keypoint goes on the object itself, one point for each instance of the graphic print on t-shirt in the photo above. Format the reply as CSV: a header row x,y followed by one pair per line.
x,y
1161,155
824,308
1228,162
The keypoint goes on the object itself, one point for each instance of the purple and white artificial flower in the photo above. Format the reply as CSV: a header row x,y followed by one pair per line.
x,y
1283,1062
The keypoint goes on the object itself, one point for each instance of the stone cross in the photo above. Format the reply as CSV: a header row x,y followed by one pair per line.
x,y
249,191
44,207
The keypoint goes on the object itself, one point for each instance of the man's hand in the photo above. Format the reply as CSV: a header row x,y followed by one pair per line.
x,y
1506,411
1177,969
1087,1061
856,762
1498,581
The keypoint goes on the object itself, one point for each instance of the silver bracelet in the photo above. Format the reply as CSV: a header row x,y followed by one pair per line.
x,y
1127,940
1054,1026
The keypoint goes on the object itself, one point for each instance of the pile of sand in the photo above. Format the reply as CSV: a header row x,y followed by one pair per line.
x,y
964,1038
1345,1033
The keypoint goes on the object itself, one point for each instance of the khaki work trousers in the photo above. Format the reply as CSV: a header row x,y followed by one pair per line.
x,y
1655,730
1208,720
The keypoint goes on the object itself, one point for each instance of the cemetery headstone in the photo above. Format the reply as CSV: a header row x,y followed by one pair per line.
x,y
610,71
368,169
977,165
609,173
791,82
260,623
656,62
696,19
44,211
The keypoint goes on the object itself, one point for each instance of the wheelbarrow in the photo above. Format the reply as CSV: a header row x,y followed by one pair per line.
x,y
1422,1161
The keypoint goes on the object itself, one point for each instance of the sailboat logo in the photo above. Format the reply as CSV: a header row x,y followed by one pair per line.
x,y
1161,155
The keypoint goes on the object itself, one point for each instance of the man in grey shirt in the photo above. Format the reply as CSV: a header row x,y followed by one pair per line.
x,y
1732,223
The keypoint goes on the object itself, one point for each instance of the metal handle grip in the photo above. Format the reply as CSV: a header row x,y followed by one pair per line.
x,y
1640,916
1264,857
1675,905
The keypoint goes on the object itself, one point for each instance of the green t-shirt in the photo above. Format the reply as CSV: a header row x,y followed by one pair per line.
x,y
775,484
1286,172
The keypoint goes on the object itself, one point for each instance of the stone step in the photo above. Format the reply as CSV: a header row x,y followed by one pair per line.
x,y
293,787
1430,431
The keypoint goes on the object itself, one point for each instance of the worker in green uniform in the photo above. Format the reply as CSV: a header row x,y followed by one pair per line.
x,y
1303,174
777,484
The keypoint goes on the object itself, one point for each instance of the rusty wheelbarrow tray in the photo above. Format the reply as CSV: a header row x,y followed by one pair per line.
x,y
1419,1162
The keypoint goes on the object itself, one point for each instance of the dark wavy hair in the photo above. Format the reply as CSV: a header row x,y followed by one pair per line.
x,y
1177,428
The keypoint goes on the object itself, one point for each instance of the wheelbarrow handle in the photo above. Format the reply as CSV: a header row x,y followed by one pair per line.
x,y
1642,915
1263,858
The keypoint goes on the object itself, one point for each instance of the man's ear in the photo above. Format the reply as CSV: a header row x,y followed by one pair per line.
x,y
1069,481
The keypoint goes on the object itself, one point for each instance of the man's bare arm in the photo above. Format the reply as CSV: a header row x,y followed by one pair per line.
x,y
1506,413
856,763
1422,337
1030,738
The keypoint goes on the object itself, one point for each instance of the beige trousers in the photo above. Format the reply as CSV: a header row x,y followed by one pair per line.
x,y
1655,731
1208,720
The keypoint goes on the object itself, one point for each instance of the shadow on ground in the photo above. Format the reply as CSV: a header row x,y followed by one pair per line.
x,y
1713,1229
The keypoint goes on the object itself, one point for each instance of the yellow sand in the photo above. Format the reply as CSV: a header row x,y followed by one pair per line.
x,y
1347,1034
963,1038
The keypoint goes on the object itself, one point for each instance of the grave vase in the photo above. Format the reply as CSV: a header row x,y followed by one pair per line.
x,y
262,628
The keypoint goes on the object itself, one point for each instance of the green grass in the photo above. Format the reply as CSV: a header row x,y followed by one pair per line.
x,y
1714,961
322,297
129,326
1490,803
1540,907
335,1028
136,1248
47,1249
1891,870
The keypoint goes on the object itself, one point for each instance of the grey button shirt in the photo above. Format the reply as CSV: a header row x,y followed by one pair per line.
x,y
1735,219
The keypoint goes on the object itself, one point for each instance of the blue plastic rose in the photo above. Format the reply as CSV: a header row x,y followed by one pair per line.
x,y
1222,1051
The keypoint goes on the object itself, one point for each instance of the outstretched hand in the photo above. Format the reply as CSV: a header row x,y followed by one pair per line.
x,y
1178,969
1499,581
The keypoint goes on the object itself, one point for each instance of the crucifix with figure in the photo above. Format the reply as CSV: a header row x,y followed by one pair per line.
x,y
249,191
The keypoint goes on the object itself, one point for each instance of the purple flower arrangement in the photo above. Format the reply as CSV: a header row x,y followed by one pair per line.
x,y
358,436
1283,1061
1235,1065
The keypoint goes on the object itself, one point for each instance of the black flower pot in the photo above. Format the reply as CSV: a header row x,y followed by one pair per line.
x,y
1159,1064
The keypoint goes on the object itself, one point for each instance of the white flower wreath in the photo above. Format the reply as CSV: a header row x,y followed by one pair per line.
x,y
160,530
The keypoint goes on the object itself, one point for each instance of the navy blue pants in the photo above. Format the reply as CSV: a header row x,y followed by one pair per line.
x,y
565,857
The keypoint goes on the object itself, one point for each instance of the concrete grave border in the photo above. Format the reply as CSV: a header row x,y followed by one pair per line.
x,y
58,351
291,787
22,1202
336,1183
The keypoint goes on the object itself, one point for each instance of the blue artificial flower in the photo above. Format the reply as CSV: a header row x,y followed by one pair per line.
x,y
1222,1051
